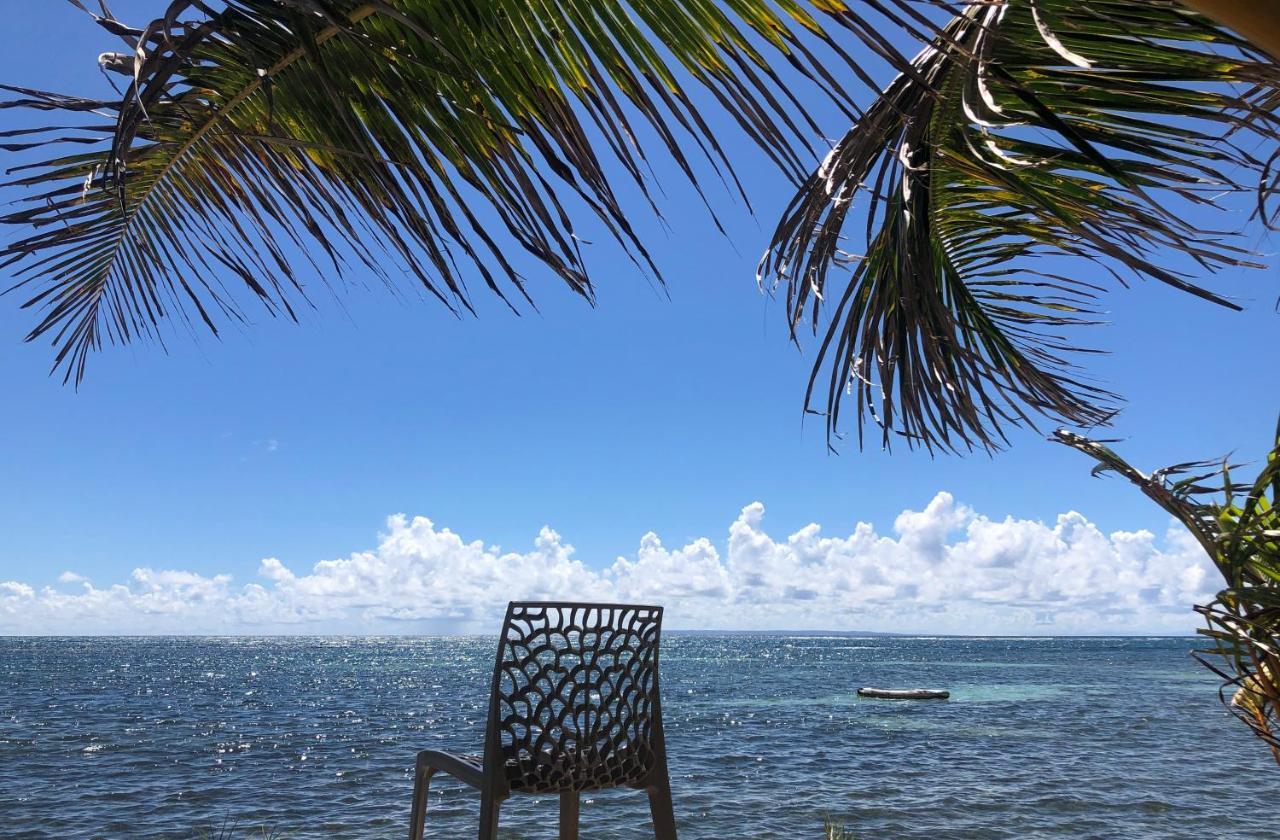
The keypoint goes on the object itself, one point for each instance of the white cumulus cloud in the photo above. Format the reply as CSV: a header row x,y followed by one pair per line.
x,y
944,569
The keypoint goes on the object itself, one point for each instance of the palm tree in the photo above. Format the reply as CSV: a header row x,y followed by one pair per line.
x,y
1256,20
1238,526
1032,129
414,128
257,144
1036,129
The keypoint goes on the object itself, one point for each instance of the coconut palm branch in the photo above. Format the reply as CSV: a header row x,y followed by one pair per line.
x,y
1238,526
1029,130
262,144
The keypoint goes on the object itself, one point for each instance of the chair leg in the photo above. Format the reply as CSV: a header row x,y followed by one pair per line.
x,y
664,816
569,804
489,816
421,786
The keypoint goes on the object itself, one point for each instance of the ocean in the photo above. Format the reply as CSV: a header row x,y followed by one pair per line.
x,y
316,737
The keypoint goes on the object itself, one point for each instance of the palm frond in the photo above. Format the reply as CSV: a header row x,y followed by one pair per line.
x,y
1238,525
250,132
1030,130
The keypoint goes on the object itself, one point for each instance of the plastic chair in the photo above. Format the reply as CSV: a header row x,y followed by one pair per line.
x,y
574,707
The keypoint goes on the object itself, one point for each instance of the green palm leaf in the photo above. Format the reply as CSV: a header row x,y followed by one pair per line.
x,y
1238,526
357,130
1031,129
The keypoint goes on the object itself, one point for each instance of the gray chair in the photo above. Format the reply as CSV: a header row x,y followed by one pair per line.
x,y
574,707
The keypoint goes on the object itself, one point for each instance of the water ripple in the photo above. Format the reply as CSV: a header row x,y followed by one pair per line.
x,y
316,737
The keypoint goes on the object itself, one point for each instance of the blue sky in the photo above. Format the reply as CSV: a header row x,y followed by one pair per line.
x,y
650,413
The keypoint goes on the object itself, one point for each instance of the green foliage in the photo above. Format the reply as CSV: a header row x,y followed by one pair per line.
x,y
230,829
395,135
1030,128
399,136
1238,525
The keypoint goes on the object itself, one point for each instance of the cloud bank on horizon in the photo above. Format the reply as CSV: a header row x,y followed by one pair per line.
x,y
945,569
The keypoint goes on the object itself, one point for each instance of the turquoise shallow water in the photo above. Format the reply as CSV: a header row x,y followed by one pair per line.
x,y
1078,738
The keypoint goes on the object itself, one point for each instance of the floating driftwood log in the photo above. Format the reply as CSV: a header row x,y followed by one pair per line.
x,y
904,693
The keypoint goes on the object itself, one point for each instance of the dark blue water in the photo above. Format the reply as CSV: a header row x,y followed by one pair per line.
x,y
1070,738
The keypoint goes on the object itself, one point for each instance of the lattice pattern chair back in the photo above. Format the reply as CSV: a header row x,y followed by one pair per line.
x,y
576,695
575,706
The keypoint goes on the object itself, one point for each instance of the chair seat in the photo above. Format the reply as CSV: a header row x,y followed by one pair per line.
x,y
466,768
569,770
537,775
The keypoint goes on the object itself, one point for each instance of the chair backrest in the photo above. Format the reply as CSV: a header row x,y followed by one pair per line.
x,y
575,701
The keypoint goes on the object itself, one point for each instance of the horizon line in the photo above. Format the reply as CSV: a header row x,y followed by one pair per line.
x,y
864,634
